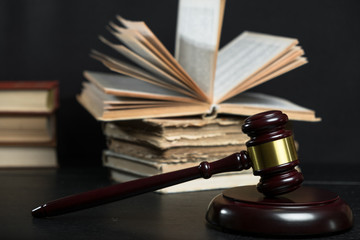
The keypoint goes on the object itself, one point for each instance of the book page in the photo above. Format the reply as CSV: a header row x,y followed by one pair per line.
x,y
288,62
145,31
24,100
142,106
185,109
197,39
94,104
118,85
245,56
182,154
112,100
93,94
136,72
250,103
284,69
137,43
149,66
125,68
157,49
279,63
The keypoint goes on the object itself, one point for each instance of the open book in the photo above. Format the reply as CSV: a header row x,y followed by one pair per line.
x,y
149,82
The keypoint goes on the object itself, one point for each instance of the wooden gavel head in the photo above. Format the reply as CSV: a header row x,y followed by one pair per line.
x,y
272,153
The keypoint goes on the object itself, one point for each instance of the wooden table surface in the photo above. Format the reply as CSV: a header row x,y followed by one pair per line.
x,y
148,216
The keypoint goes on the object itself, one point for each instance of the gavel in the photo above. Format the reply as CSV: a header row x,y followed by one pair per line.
x,y
270,152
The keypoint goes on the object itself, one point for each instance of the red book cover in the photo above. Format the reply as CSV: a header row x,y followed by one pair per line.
x,y
24,85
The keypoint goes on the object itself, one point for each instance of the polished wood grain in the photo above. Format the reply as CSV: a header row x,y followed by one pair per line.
x,y
285,208
234,162
263,128
308,211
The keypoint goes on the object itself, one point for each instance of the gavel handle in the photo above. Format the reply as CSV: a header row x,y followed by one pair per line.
x,y
234,162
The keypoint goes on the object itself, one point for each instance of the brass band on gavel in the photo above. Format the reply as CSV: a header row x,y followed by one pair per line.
x,y
272,154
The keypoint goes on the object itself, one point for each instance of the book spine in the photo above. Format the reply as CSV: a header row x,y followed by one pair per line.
x,y
212,113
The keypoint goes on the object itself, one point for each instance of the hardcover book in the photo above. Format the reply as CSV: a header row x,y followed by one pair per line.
x,y
35,97
28,130
28,123
28,157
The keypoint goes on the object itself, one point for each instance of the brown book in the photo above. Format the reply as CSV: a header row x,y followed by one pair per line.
x,y
27,157
199,80
35,97
27,123
166,133
173,154
27,130
182,126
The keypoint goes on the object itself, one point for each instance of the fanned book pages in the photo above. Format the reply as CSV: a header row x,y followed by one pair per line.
x,y
148,82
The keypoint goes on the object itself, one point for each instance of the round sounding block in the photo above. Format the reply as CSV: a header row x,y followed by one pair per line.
x,y
305,211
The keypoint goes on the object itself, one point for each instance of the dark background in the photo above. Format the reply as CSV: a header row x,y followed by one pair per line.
x,y
51,39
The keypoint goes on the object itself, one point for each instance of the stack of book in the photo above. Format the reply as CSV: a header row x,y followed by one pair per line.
x,y
149,83
27,123
143,148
